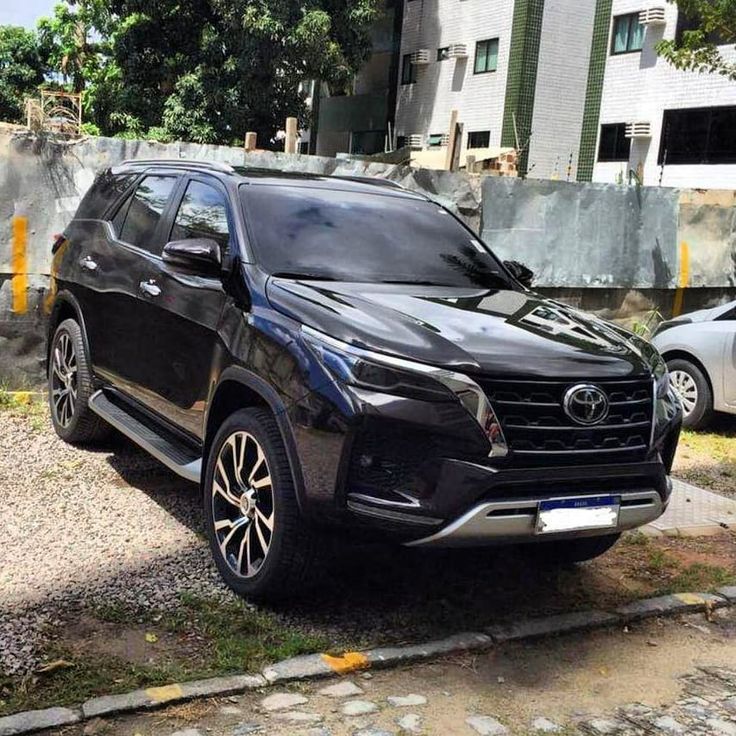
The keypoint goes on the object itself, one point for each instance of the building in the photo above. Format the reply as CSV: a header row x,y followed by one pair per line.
x,y
577,87
358,122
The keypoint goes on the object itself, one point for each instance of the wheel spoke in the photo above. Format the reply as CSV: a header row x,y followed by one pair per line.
x,y
225,493
236,525
259,532
260,458
267,520
262,482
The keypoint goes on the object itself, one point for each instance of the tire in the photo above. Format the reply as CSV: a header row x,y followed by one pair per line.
x,y
691,385
70,385
569,551
257,561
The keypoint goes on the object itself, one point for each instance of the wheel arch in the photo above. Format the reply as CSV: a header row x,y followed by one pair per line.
x,y
678,354
238,388
65,306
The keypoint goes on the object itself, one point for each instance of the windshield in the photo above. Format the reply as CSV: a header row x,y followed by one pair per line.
x,y
357,236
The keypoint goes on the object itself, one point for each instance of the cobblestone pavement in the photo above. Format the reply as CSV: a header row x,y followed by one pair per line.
x,y
674,676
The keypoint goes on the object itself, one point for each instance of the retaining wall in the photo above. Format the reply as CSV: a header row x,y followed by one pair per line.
x,y
617,250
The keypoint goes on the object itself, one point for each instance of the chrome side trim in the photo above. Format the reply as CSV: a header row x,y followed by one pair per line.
x,y
515,520
468,392
391,515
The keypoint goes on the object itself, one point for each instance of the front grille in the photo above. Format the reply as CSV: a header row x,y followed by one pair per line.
x,y
539,431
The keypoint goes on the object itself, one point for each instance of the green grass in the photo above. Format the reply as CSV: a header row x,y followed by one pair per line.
x,y
699,578
236,639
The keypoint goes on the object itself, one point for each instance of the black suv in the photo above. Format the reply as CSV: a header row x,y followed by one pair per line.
x,y
323,353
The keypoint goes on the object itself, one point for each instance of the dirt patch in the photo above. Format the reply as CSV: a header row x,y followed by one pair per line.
x,y
136,644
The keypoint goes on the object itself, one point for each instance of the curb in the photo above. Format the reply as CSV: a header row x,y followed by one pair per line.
x,y
312,666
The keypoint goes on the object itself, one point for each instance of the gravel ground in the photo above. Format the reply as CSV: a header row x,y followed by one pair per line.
x,y
89,527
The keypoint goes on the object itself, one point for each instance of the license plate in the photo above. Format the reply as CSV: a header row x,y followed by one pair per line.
x,y
571,514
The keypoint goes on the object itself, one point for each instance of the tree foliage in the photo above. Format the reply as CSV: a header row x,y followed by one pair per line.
x,y
21,70
698,49
203,70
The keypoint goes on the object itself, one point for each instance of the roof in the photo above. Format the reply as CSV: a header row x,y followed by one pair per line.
x,y
273,177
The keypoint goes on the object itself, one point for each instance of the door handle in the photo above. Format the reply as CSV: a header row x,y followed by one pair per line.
x,y
88,264
149,288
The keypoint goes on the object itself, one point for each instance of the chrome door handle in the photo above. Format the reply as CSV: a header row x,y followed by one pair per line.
x,y
87,264
149,288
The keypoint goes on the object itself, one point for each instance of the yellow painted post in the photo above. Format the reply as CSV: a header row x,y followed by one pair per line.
x,y
19,265
682,279
292,134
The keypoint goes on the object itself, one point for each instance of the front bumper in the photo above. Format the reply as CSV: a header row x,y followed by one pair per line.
x,y
514,520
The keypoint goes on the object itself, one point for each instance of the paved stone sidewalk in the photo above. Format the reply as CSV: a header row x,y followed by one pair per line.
x,y
669,676
694,511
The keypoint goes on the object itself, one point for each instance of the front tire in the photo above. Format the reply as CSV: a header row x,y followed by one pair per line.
x,y
691,385
70,385
259,540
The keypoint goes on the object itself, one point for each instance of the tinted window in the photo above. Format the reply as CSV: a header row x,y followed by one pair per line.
x,y
628,34
703,135
104,192
202,214
144,212
486,56
479,139
354,236
408,70
614,145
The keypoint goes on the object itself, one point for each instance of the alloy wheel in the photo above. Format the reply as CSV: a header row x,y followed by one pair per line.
x,y
64,380
243,504
686,388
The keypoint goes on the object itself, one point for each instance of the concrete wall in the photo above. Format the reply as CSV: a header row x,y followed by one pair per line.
x,y
616,250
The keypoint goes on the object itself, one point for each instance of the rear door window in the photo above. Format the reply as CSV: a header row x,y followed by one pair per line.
x,y
143,213
106,190
202,214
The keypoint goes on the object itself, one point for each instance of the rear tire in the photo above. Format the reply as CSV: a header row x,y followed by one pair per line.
x,y
260,542
569,551
691,385
70,385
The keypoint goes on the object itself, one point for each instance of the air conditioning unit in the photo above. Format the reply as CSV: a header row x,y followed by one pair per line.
x,y
639,129
457,51
652,17
445,140
416,140
419,57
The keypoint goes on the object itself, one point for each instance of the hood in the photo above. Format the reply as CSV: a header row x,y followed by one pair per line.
x,y
505,332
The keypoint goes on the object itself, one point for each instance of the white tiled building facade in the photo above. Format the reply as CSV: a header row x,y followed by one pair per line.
x,y
556,78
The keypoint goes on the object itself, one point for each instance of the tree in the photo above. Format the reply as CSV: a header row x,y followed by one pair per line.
x,y
21,70
714,24
210,70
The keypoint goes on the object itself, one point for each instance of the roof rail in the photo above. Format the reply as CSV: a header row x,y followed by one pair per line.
x,y
184,162
376,180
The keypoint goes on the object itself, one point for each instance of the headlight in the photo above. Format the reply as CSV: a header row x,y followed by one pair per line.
x,y
387,374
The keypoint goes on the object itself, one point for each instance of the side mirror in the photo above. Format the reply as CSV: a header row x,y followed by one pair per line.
x,y
194,254
524,275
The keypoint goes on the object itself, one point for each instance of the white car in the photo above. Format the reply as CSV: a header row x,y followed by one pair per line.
x,y
700,350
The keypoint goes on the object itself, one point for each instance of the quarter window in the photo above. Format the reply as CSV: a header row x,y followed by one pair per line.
x,y
479,139
614,145
700,135
408,70
143,212
202,214
628,34
486,56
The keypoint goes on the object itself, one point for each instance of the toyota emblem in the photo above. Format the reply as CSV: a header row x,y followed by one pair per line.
x,y
585,404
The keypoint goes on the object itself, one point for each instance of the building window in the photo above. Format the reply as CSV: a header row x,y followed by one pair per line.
x,y
408,70
614,145
486,56
700,135
628,34
435,140
443,54
479,139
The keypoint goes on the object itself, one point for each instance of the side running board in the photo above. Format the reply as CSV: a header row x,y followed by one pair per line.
x,y
184,461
